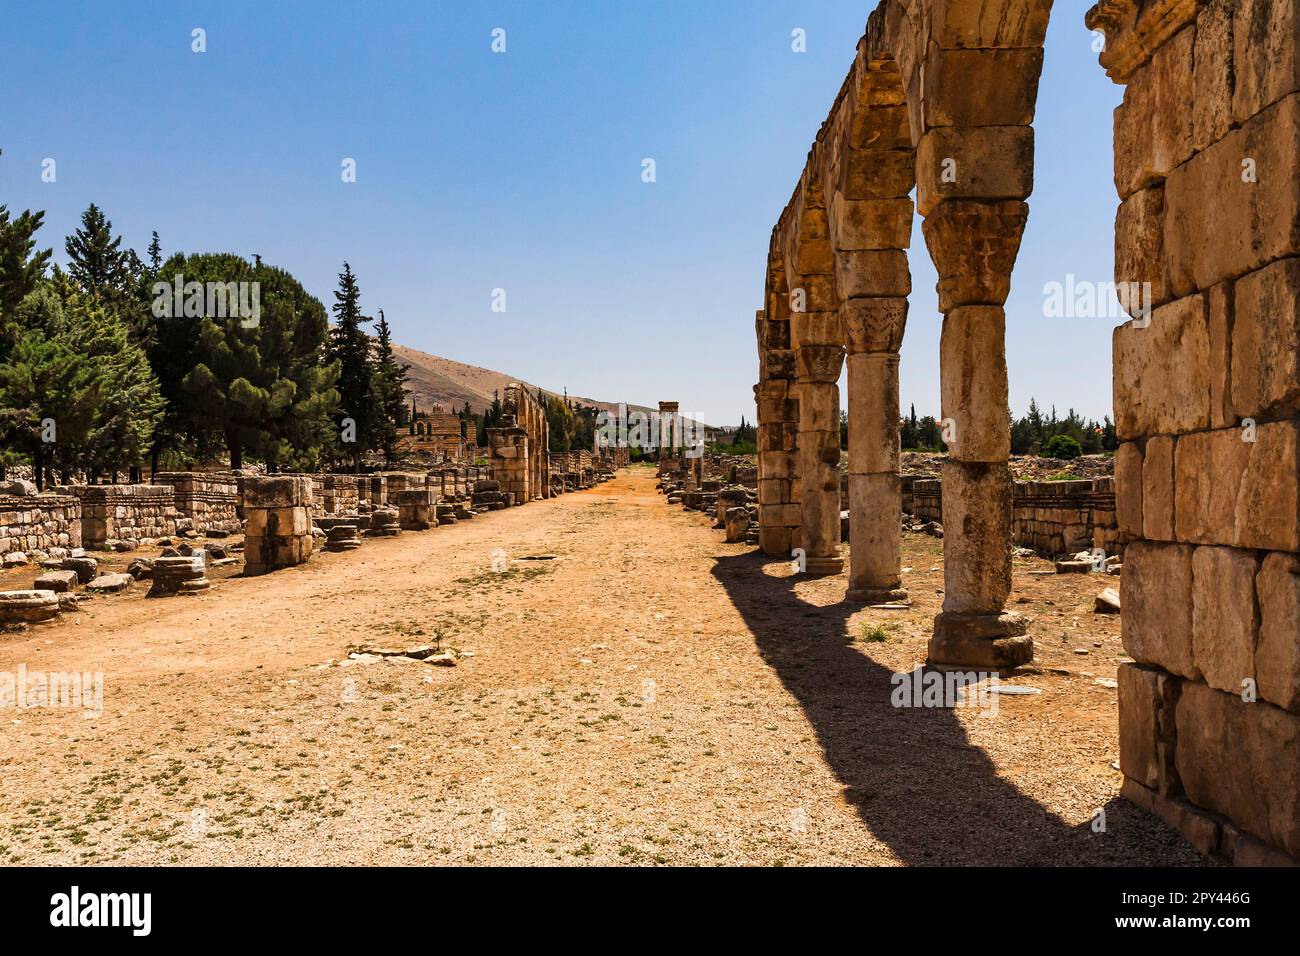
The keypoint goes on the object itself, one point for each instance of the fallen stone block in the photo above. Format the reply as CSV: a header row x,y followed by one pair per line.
x,y
56,581
110,583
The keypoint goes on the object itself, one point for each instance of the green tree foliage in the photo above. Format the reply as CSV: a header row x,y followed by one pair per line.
x,y
1031,432
390,389
350,348
1061,446
76,391
21,267
921,434
260,386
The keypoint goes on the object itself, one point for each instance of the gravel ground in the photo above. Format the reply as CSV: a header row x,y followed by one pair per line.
x,y
647,695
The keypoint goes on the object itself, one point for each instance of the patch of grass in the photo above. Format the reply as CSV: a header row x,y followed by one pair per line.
x,y
872,634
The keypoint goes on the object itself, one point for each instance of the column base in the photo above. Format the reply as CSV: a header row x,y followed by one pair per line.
x,y
993,641
876,595
823,566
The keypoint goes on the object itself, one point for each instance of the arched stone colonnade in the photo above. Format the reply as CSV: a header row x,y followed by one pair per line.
x,y
941,95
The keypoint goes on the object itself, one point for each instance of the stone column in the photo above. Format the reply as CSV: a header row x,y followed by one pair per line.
x,y
666,436
277,527
974,169
875,531
974,246
778,417
819,357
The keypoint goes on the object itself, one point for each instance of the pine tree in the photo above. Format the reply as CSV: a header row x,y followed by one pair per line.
x,y
390,392
265,389
155,253
75,370
21,267
96,259
350,347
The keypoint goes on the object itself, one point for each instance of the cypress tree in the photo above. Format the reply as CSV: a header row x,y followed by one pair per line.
x,y
350,347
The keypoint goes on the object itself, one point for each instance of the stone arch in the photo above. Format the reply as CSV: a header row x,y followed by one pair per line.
x,y
1210,580
941,95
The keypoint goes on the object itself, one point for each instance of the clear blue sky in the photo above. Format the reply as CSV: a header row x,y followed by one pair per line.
x,y
522,171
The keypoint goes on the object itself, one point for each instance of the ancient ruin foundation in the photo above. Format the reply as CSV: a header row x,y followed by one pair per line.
x,y
277,531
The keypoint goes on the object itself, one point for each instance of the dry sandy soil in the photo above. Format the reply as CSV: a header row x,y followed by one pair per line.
x,y
650,695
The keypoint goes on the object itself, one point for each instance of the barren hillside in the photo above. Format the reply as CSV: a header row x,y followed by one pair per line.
x,y
452,384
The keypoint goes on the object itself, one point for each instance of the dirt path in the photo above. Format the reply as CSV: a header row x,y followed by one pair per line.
x,y
649,695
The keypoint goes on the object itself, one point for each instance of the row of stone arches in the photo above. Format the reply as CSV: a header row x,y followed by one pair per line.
x,y
940,101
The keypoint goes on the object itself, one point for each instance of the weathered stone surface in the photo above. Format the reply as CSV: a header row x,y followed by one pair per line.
x,y
86,567
974,247
973,377
28,607
1158,489
110,583
977,562
736,521
1107,602
1219,303
877,173
1277,654
873,413
1128,488
1161,372
1265,63
880,126
1241,760
1153,126
1147,701
873,272
874,534
1254,215
871,224
1268,501
814,329
1266,341
1208,470
1140,247
1225,616
1212,73
57,581
992,23
985,163
980,87
990,641
873,324
1156,590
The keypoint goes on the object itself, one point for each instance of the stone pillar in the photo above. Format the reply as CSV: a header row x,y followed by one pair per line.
x,y
871,216
817,335
875,531
417,509
974,169
778,423
277,525
819,357
510,459
666,436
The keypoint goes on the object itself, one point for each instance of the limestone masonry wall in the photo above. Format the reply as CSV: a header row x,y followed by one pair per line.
x,y
209,499
39,522
1206,398
124,512
1052,517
